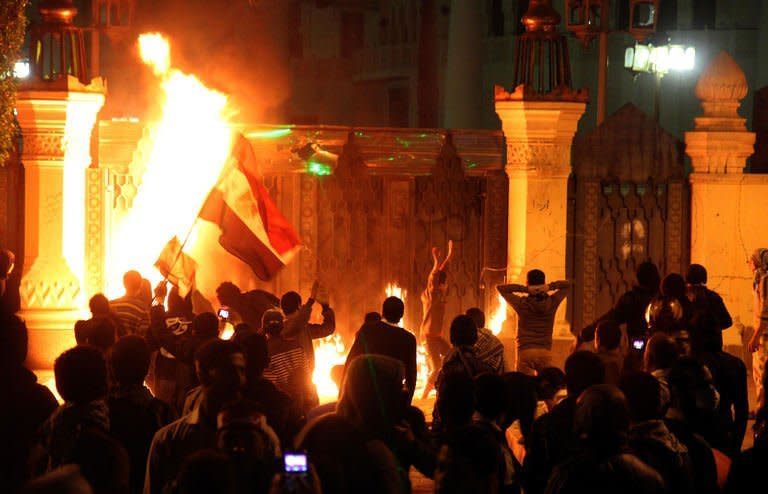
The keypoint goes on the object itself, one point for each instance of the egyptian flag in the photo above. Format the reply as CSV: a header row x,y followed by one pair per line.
x,y
252,228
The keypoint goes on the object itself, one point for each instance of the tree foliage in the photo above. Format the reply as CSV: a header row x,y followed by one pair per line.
x,y
12,25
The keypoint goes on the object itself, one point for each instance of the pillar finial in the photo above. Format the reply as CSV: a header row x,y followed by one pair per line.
x,y
721,87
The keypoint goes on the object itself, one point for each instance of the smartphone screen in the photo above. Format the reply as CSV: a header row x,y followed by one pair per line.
x,y
224,313
295,462
638,344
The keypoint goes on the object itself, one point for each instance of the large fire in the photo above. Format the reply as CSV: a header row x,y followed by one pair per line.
x,y
181,158
496,321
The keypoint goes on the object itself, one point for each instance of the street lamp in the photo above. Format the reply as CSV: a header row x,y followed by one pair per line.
x,y
659,59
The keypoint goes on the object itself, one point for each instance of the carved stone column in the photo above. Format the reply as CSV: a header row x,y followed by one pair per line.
x,y
539,135
56,119
721,193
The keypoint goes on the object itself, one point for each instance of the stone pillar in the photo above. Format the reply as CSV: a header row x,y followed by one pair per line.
x,y
463,106
721,193
56,120
539,135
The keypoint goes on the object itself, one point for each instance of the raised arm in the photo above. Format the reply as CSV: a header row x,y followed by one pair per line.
x,y
327,327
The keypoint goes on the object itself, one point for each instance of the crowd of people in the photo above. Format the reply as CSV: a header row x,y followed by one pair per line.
x,y
154,400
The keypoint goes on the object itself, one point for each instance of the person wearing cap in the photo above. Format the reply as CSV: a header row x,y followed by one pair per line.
x,y
288,368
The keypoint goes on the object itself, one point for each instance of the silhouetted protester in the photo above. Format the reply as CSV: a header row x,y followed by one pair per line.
x,y
522,398
491,416
550,387
608,347
551,440
131,310
461,359
100,307
221,369
385,337
99,332
9,301
758,344
250,444
433,300
747,467
248,307
673,285
603,464
64,480
81,380
706,300
469,461
536,318
661,353
26,404
134,414
649,437
730,379
205,472
631,306
103,461
288,368
689,418
283,414
297,326
454,405
488,348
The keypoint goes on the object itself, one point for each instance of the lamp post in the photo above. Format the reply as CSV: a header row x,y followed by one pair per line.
x,y
658,59
588,19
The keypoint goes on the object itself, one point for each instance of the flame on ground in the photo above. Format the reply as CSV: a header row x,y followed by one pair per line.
x,y
329,352
496,321
180,158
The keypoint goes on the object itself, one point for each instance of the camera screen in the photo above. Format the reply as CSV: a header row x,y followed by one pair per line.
x,y
223,313
638,344
295,462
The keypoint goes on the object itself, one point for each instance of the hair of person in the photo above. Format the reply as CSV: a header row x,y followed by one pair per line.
x,y
214,354
535,277
206,472
588,334
99,305
601,421
456,399
491,400
14,341
273,322
608,334
463,331
477,315
132,281
179,306
696,274
582,370
290,302
549,381
227,292
648,276
100,331
81,374
129,360
372,317
392,309
643,393
522,398
256,352
661,351
205,325
673,285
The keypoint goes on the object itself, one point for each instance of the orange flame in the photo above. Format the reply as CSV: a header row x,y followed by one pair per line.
x,y
496,322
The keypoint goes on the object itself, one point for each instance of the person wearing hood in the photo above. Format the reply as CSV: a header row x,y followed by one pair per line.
x,y
758,345
536,318
650,439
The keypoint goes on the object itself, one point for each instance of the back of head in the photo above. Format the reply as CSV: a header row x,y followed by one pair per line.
x,y
13,341
228,293
491,399
696,275
582,370
214,355
101,332
372,317
673,285
535,277
643,395
242,434
691,387
601,420
256,352
463,331
63,480
608,335
132,283
99,305
660,353
392,309
456,399
522,398
205,325
273,322
477,315
648,276
665,314
81,374
290,302
206,472
129,360
549,381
